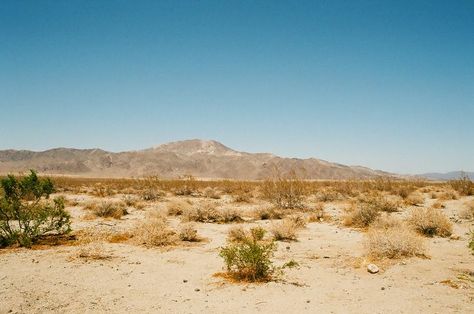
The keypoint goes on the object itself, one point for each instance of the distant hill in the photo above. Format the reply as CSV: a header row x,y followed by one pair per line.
x,y
200,158
446,176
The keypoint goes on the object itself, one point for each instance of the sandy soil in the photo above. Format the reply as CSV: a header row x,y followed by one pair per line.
x,y
331,276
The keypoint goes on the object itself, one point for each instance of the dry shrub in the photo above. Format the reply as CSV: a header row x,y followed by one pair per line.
x,y
210,192
130,201
110,209
393,242
328,195
285,191
438,204
242,197
265,213
152,194
206,212
227,215
468,211
188,232
285,230
177,207
415,199
155,231
92,244
236,234
361,215
463,185
447,195
430,222
318,214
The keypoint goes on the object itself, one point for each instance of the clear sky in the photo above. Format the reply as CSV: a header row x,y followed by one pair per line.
x,y
384,84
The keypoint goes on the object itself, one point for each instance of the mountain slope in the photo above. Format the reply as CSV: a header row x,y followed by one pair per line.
x,y
204,159
447,176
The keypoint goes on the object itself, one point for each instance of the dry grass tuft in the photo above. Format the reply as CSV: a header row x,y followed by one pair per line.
x,y
394,241
110,209
285,230
430,222
178,207
361,215
188,232
205,212
415,199
155,231
265,213
210,192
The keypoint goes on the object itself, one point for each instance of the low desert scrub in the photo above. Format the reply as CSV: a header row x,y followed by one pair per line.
x,y
129,200
188,232
265,213
463,185
152,195
430,222
227,215
393,241
178,207
447,195
27,214
438,204
236,234
318,214
286,229
155,231
285,191
468,211
242,197
204,212
210,192
361,215
415,199
110,209
250,258
328,195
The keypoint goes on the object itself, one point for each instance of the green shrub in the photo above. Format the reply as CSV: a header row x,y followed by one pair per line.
x,y
471,242
26,214
250,258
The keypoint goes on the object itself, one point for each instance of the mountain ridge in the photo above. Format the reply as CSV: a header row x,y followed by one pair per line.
x,y
200,158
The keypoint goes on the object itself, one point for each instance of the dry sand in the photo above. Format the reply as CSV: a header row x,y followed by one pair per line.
x,y
331,276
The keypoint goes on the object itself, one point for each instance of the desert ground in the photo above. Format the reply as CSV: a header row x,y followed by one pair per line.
x,y
133,248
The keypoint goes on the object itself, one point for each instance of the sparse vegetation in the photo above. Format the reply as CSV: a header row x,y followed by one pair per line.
x,y
26,214
286,229
188,232
468,211
430,222
463,185
155,231
250,258
110,209
285,191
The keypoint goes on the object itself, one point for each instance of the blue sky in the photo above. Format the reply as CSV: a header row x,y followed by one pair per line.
x,y
384,84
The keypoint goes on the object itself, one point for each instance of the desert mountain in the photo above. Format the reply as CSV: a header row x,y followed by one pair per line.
x,y
203,159
447,175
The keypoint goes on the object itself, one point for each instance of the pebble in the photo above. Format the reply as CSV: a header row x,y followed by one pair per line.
x,y
372,268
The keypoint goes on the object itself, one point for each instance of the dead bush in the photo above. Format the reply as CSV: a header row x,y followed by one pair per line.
x,y
206,212
177,207
318,214
210,192
415,199
430,222
463,185
188,232
110,209
227,215
361,215
265,213
155,232
393,242
236,234
285,191
285,230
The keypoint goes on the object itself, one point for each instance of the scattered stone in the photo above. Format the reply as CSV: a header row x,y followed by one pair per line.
x,y
308,301
197,289
454,237
372,268
383,288
185,280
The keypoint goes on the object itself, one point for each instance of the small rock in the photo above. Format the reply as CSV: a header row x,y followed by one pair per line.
x,y
287,247
197,289
307,301
185,280
454,237
383,288
372,268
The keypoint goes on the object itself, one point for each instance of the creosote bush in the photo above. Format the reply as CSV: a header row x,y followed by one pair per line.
x,y
26,214
250,258
430,222
285,191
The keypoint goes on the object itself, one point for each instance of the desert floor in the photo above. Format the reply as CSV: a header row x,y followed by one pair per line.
x,y
331,276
